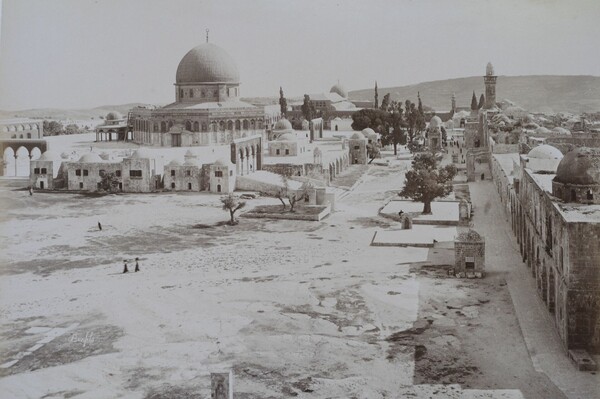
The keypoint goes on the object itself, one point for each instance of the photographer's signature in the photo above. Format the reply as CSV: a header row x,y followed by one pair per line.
x,y
88,338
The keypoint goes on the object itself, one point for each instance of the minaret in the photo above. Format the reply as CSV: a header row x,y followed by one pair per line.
x,y
490,86
453,103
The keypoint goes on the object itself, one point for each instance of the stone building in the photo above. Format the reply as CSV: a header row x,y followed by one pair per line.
x,y
469,254
21,129
222,177
490,86
558,236
184,177
114,128
357,147
44,170
287,144
434,133
207,108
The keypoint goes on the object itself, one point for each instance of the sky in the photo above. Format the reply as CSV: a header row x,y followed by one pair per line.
x,y
87,53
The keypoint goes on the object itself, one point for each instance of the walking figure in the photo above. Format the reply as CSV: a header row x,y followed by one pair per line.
x,y
99,226
30,190
400,213
125,267
137,265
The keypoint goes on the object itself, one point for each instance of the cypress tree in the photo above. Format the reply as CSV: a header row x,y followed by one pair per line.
x,y
376,96
481,101
474,102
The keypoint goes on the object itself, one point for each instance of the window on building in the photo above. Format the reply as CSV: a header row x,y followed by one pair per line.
x,y
98,185
85,172
181,93
188,172
590,195
231,173
80,185
135,173
172,172
189,186
356,147
191,93
287,152
118,173
218,173
44,171
77,172
28,135
277,152
173,185
202,94
36,171
573,195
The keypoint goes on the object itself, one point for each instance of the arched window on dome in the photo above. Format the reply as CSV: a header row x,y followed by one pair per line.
x,y
188,126
28,135
155,127
204,126
222,126
245,124
196,126
237,125
229,125
191,93
260,124
170,124
180,93
163,127
252,124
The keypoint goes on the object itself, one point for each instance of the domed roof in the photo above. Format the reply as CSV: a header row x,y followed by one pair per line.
x,y
174,162
469,236
113,116
580,166
90,157
287,137
542,130
64,155
283,124
489,69
368,132
339,89
357,136
436,121
189,153
545,151
105,156
560,130
222,162
190,161
207,63
49,155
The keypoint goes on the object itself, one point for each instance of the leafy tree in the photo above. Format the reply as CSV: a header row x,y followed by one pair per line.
x,y
373,151
72,129
481,101
444,135
308,108
397,136
282,102
474,104
385,103
426,182
369,117
232,204
52,128
109,182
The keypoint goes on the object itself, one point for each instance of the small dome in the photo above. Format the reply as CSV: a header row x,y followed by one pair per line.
x,y
90,157
174,162
358,136
64,155
113,116
190,161
105,156
222,162
580,166
542,130
469,236
545,151
189,153
560,130
287,137
489,69
368,132
207,63
339,89
435,122
49,155
317,151
283,124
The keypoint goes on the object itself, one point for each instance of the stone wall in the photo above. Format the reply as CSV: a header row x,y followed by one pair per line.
x,y
469,252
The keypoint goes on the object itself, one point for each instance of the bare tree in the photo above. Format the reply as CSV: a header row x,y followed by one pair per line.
x,y
293,196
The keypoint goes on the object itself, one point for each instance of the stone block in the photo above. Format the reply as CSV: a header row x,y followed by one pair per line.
x,y
582,360
221,385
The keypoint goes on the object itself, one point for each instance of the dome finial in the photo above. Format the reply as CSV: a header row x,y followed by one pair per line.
x,y
208,30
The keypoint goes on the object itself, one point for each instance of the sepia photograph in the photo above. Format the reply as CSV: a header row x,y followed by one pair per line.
x,y
329,199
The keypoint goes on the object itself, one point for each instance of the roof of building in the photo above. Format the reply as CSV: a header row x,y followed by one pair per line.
x,y
339,89
542,130
174,162
469,236
368,132
489,69
233,104
90,157
222,162
190,161
189,153
545,151
140,153
287,137
49,155
560,130
207,63
283,124
580,166
357,136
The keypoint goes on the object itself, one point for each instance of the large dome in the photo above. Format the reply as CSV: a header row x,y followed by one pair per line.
x,y
283,124
545,151
339,89
435,122
207,63
580,166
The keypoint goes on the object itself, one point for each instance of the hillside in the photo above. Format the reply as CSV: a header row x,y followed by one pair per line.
x,y
73,114
535,93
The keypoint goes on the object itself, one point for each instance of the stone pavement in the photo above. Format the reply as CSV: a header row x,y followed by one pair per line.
x,y
537,326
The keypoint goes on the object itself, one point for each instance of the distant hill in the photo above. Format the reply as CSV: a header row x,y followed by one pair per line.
x,y
61,114
574,94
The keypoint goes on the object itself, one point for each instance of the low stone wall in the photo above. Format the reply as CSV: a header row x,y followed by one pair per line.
x,y
289,216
